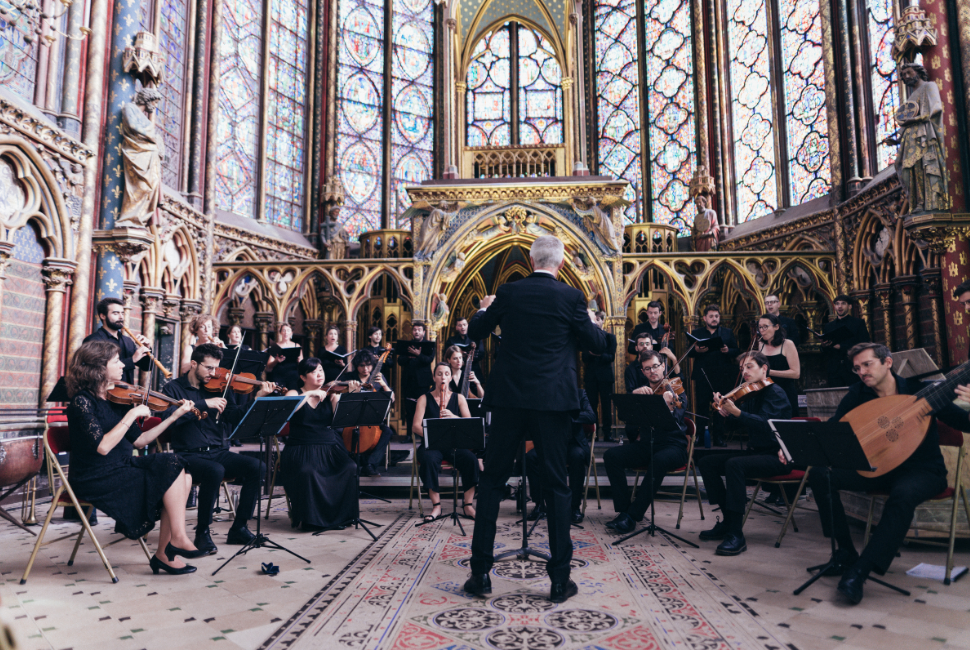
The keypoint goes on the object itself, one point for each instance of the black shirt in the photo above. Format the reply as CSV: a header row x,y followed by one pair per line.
x,y
126,350
656,333
857,327
769,403
189,432
715,360
599,367
927,456
466,340
416,377
791,330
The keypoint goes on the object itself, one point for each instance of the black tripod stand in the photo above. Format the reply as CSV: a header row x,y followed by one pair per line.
x,y
450,435
650,413
265,418
523,552
356,410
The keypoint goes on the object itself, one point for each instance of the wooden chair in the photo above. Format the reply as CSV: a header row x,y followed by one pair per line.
x,y
687,469
590,430
57,439
794,477
949,437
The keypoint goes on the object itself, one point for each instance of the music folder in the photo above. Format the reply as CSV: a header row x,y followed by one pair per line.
x,y
713,343
645,411
335,356
291,354
401,348
266,416
836,336
249,361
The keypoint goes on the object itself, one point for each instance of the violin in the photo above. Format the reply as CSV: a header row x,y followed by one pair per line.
x,y
240,382
675,386
742,392
665,339
128,395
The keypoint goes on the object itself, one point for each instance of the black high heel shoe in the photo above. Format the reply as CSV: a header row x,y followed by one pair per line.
x,y
157,564
172,551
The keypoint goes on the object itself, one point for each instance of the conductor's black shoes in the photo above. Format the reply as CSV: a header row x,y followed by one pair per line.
x,y
850,586
560,592
718,532
478,585
733,544
239,536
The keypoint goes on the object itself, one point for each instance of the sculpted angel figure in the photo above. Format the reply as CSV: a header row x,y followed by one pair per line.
x,y
142,160
433,227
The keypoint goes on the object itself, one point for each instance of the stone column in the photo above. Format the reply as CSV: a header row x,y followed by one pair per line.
x,y
311,331
151,305
933,286
69,119
580,164
236,316
350,334
865,309
884,307
906,288
58,275
197,132
264,323
460,88
188,310
128,291
451,126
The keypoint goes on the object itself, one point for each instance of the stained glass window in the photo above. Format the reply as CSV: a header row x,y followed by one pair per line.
x,y
18,60
617,99
751,108
240,70
286,118
883,77
489,95
804,83
670,110
412,70
360,97
168,119
540,97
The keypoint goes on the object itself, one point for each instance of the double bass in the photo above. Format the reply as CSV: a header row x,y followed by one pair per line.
x,y
369,436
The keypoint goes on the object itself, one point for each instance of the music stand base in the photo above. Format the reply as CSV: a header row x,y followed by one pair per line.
x,y
653,530
455,519
522,553
259,541
820,570
356,522
371,496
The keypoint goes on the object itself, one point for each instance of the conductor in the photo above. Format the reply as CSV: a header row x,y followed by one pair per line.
x,y
532,392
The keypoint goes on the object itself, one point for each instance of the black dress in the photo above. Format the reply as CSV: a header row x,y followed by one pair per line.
x,y
128,488
330,367
317,472
429,460
790,386
286,374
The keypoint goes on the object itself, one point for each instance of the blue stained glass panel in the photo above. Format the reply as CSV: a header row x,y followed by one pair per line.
x,y
169,120
287,115
883,77
18,60
540,90
489,81
617,97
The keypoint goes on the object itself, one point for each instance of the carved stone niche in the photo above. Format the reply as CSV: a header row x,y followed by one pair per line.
x,y
129,244
937,231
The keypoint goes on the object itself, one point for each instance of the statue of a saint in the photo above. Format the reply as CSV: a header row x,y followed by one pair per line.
x,y
706,229
920,163
143,163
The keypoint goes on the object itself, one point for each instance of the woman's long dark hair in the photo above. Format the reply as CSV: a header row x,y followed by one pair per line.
x,y
88,369
780,334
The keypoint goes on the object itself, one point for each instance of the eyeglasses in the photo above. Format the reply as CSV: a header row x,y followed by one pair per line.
x,y
772,302
653,367
866,365
210,368
762,328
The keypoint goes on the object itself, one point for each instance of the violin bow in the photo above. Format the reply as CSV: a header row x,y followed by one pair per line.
x,y
232,371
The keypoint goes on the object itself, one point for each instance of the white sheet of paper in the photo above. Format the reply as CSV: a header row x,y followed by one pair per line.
x,y
935,571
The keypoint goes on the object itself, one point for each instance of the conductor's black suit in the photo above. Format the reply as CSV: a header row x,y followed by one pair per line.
x,y
532,393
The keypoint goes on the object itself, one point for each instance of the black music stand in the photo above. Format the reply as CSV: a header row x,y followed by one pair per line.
x,y
650,413
450,435
266,417
358,410
824,444
523,552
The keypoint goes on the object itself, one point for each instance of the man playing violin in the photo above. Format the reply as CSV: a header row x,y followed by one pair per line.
x,y
669,448
203,445
363,366
760,459
920,477
111,313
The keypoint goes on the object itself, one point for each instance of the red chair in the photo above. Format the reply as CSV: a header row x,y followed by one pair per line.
x,y
794,477
687,469
57,439
949,437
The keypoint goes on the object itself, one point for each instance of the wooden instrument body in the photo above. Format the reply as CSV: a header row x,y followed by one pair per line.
x,y
130,395
744,391
890,429
242,382
20,459
369,437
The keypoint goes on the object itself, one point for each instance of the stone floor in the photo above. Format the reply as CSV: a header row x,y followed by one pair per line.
x,y
78,607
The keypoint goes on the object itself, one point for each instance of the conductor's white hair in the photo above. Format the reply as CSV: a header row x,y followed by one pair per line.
x,y
546,252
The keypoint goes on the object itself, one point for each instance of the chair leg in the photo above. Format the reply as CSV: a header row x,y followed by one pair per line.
x,y
636,484
144,547
40,536
596,482
683,495
272,480
590,466
80,534
697,490
225,490
754,496
872,509
791,509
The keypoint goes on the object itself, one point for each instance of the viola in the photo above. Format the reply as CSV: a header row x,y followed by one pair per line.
x,y
128,395
240,382
742,392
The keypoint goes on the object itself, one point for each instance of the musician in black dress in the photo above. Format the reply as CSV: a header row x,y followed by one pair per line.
x,y
920,477
363,367
839,369
783,361
316,469
136,491
760,459
278,370
416,377
133,354
460,337
442,402
235,338
456,359
331,365
714,370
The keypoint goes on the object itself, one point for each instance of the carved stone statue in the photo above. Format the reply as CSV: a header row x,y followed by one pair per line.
x,y
142,160
706,229
920,163
597,220
439,315
432,228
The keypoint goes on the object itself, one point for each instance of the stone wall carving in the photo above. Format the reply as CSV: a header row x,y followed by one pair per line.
x,y
229,240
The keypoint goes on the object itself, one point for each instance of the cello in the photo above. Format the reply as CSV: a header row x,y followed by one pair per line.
x,y
890,428
466,378
369,436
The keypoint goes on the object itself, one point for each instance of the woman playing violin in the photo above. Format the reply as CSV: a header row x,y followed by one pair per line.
x,y
318,473
363,368
278,369
455,359
669,448
442,402
136,491
760,458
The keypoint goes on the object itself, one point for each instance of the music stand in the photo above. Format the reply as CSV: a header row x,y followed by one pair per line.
x,y
266,417
824,444
450,435
650,413
523,552
358,410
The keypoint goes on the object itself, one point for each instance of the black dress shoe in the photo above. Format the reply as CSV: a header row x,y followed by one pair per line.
x,y
239,536
718,532
733,544
612,523
203,542
578,516
157,565
623,524
478,585
172,551
560,592
843,561
537,512
850,586
370,470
